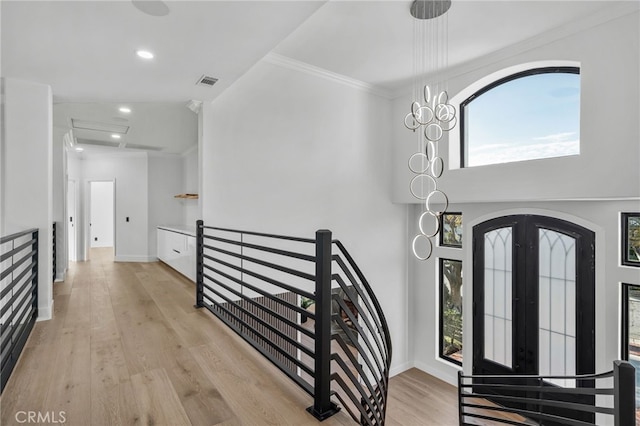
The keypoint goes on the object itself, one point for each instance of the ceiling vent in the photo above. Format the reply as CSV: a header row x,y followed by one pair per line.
x,y
205,80
99,127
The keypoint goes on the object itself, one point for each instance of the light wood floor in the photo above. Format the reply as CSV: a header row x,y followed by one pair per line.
x,y
127,347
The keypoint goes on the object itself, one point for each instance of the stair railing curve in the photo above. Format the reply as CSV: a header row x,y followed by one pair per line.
x,y
305,305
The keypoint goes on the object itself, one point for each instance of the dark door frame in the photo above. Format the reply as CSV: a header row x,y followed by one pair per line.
x,y
525,309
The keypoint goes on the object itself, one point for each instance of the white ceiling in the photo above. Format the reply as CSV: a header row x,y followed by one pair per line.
x,y
168,127
373,41
85,50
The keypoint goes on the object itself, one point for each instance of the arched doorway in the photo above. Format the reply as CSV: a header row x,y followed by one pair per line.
x,y
534,299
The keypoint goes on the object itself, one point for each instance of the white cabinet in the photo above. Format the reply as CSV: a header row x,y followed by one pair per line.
x,y
178,250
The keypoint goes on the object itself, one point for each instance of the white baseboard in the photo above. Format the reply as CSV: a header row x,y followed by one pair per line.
x,y
128,258
45,313
400,368
449,378
60,277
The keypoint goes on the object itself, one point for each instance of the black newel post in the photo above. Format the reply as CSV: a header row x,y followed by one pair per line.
x,y
624,398
460,412
322,406
199,263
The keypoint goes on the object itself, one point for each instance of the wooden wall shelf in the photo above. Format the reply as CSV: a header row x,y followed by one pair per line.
x,y
187,196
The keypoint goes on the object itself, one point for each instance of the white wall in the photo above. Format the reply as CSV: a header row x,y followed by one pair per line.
x,y
313,154
101,212
3,137
607,166
129,171
191,179
75,174
607,173
27,174
165,181
59,184
145,185
600,217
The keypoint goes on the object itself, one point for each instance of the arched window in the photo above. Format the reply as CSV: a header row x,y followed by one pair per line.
x,y
530,115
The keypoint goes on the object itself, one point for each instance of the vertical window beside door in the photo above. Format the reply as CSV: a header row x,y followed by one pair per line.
x,y
451,310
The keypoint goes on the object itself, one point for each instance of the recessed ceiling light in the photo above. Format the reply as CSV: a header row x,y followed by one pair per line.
x,y
115,136
144,54
151,7
125,110
79,148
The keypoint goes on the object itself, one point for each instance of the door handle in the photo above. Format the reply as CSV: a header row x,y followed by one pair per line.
x,y
176,251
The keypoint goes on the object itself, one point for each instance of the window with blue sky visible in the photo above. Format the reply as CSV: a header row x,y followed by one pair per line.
x,y
530,117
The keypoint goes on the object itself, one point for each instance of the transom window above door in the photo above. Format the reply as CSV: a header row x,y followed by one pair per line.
x,y
529,115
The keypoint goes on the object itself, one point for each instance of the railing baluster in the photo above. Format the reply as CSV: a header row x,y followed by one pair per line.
x,y
35,266
495,396
322,406
19,306
460,411
199,263
53,279
270,320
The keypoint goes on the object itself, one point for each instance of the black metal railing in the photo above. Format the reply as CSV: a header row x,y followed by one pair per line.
x,y
363,340
535,400
18,296
305,305
53,278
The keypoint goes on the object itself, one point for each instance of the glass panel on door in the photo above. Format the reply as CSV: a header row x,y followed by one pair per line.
x,y
557,306
498,263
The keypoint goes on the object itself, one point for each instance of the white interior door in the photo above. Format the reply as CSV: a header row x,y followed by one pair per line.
x,y
102,215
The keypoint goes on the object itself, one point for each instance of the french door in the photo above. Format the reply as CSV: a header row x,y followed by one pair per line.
x,y
534,300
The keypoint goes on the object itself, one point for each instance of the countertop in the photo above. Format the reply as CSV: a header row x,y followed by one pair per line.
x,y
181,229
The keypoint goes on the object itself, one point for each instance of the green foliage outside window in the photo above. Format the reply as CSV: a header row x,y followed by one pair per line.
x,y
634,238
451,235
451,310
630,239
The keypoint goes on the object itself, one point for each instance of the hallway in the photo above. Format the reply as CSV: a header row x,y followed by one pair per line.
x,y
127,347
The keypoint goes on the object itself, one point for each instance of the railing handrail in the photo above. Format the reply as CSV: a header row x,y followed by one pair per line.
x,y
352,317
621,408
531,376
16,235
262,234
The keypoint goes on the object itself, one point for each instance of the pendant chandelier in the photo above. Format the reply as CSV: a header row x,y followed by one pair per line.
x,y
430,117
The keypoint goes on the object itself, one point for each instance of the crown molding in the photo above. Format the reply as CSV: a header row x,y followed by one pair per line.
x,y
619,10
189,150
292,64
